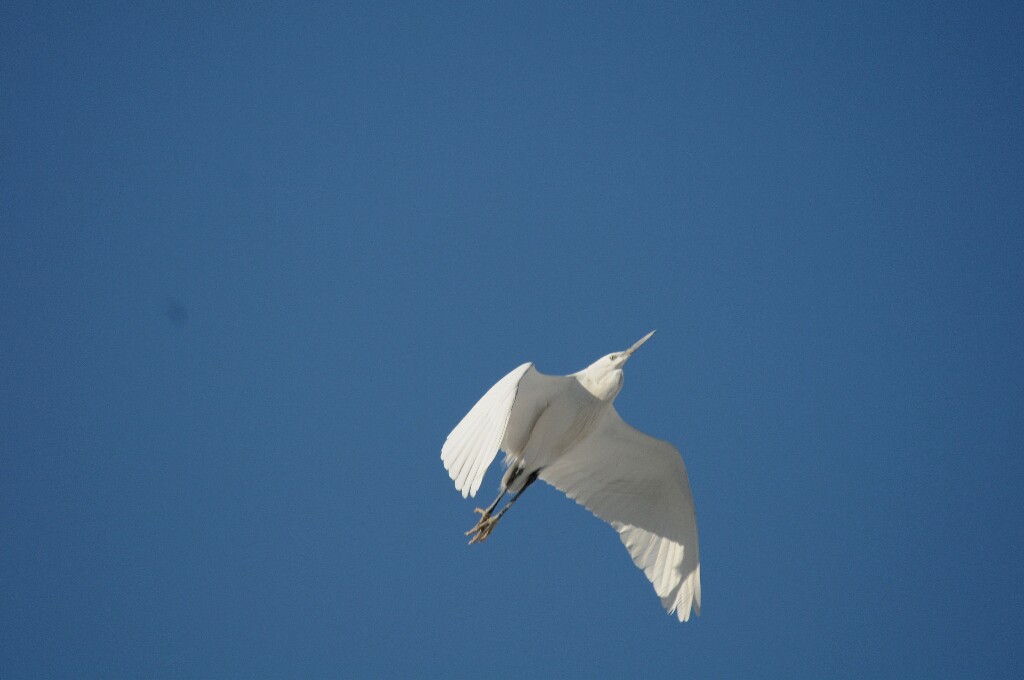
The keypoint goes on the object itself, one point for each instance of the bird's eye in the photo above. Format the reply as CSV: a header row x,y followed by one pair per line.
x,y
614,357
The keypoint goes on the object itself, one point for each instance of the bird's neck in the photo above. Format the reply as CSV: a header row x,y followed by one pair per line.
x,y
603,385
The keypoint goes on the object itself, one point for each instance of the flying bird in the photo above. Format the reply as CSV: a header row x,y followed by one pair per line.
x,y
565,431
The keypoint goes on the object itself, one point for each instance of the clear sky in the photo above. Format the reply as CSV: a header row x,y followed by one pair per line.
x,y
257,261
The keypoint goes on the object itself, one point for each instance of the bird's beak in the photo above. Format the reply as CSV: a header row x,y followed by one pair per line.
x,y
636,345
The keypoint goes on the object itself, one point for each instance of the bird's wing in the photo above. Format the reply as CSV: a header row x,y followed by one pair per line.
x,y
503,419
638,484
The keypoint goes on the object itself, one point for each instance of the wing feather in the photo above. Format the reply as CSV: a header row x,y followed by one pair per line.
x,y
472,445
638,484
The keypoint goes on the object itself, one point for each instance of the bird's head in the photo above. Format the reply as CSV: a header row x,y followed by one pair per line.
x,y
603,378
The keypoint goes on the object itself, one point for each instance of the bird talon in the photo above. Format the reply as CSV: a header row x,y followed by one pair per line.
x,y
483,528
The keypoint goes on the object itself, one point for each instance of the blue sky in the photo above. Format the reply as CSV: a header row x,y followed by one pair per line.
x,y
256,262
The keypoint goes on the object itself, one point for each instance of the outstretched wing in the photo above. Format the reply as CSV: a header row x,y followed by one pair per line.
x,y
638,484
503,418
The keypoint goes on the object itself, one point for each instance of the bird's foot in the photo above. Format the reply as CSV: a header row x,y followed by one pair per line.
x,y
484,527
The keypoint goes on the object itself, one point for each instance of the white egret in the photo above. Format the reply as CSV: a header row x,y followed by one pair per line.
x,y
565,431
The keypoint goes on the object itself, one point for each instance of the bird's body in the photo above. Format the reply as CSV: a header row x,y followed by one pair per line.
x,y
565,431
542,430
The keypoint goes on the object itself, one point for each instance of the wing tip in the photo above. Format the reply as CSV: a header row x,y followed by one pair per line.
x,y
463,486
687,597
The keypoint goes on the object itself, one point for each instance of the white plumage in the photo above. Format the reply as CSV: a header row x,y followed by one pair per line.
x,y
566,431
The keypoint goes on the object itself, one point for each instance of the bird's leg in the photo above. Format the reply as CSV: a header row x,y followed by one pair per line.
x,y
529,480
487,523
510,476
